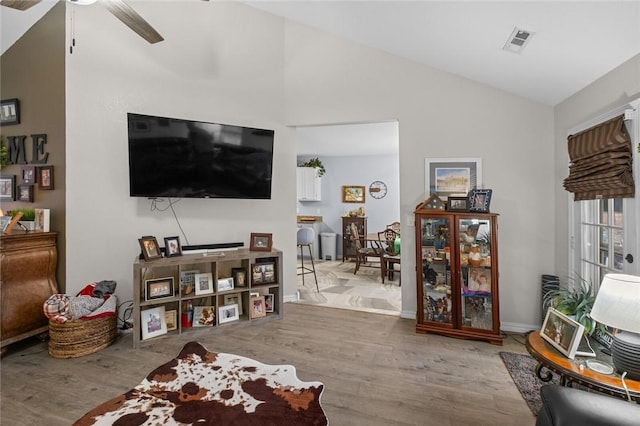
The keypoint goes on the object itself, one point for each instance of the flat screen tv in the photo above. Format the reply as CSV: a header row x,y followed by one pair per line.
x,y
172,157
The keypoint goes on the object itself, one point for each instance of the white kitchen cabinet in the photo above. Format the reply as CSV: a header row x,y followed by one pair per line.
x,y
308,184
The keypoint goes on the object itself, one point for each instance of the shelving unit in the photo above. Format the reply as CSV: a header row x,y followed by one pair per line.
x,y
457,274
348,246
221,265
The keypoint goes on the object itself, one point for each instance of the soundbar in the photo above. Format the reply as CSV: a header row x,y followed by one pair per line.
x,y
212,246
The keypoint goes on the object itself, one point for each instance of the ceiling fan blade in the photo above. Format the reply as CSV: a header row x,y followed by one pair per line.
x,y
132,19
19,4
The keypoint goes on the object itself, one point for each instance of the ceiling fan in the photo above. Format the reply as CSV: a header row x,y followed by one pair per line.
x,y
118,8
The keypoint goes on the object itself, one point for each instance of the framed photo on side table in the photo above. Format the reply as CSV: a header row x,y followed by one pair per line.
x,y
263,273
172,246
258,309
153,322
260,242
204,283
171,318
458,204
562,332
204,316
228,313
480,200
159,288
239,277
225,284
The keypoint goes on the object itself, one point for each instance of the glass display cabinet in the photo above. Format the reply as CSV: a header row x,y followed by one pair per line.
x,y
457,274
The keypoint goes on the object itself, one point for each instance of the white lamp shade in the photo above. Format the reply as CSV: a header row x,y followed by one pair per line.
x,y
618,302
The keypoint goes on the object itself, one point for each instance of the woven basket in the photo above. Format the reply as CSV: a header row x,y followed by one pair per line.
x,y
80,337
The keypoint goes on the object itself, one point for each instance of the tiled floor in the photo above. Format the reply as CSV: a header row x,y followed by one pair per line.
x,y
340,288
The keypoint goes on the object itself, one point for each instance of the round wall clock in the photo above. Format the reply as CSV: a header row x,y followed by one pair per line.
x,y
378,189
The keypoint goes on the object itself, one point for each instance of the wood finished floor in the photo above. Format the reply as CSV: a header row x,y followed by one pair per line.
x,y
376,370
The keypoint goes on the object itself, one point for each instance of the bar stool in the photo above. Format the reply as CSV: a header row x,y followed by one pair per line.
x,y
306,237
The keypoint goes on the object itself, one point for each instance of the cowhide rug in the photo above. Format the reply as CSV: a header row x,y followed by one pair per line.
x,y
205,387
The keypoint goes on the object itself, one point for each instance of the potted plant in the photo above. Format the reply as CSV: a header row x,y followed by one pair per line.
x,y
575,299
28,217
315,163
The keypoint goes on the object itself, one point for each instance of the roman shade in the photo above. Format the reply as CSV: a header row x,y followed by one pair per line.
x,y
601,162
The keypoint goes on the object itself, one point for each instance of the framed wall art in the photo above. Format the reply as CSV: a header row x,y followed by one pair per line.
x,y
45,177
452,177
172,246
353,194
153,322
159,288
480,200
9,111
562,332
204,283
150,248
260,242
25,193
29,175
8,188
228,313
263,273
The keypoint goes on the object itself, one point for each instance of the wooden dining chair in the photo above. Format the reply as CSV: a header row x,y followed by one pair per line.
x,y
389,258
363,252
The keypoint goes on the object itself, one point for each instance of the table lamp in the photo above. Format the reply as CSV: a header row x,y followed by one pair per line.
x,y
617,305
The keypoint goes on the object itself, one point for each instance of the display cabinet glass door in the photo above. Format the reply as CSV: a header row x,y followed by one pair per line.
x,y
436,271
476,272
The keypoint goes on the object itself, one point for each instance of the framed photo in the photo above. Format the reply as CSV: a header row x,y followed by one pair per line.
x,y
353,194
9,111
150,248
228,313
260,242
225,284
458,204
263,273
45,177
258,309
562,332
204,316
239,277
429,252
188,282
29,175
171,318
153,322
172,246
159,288
235,298
452,177
269,300
42,220
8,188
204,283
25,193
479,200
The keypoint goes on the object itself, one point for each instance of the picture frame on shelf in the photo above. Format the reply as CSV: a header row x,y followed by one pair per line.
x,y
188,282
159,288
263,273
257,307
153,322
563,333
239,277
458,204
204,283
260,242
479,200
171,318
45,178
150,248
25,193
452,177
9,111
225,284
204,316
269,300
172,246
228,313
42,220
353,193
429,252
234,298
29,175
8,188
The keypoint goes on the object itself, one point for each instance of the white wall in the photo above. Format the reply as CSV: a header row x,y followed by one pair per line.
x,y
227,62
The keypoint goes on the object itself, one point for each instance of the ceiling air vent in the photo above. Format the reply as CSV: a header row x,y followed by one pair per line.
x,y
518,40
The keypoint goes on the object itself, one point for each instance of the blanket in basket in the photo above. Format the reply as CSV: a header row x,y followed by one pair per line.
x,y
208,388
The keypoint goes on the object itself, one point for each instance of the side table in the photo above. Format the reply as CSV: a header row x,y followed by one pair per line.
x,y
570,370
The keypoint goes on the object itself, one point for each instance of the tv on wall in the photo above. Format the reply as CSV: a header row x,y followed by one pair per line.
x,y
172,157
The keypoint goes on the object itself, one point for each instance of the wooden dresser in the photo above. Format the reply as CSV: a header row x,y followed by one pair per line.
x,y
28,278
